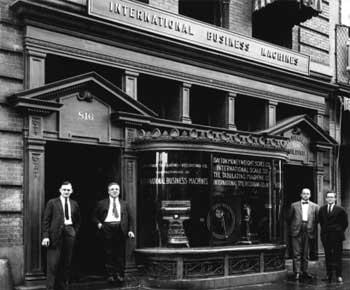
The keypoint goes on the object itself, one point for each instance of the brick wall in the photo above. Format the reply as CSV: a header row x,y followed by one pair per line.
x,y
168,5
240,17
11,142
314,37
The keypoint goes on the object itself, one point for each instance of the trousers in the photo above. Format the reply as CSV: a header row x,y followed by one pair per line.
x,y
114,248
59,261
300,245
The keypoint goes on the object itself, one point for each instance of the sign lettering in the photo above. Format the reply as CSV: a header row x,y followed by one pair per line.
x,y
86,116
177,173
238,172
191,31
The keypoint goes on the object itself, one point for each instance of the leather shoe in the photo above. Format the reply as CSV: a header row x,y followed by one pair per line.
x,y
306,275
339,279
297,277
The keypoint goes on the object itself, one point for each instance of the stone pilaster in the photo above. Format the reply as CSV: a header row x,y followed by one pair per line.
x,y
184,103
129,83
129,194
34,69
230,110
320,119
270,114
34,199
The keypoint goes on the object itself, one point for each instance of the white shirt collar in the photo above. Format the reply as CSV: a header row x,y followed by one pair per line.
x,y
63,198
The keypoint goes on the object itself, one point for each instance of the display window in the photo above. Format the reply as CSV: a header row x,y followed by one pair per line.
x,y
198,198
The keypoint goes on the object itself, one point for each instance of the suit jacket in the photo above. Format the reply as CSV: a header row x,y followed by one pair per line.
x,y
295,219
334,223
101,211
53,222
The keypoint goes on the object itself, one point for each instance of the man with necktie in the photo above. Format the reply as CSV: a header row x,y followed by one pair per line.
x,y
303,218
114,223
61,224
334,221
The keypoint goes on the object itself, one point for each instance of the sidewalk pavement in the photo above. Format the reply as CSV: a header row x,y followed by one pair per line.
x,y
316,269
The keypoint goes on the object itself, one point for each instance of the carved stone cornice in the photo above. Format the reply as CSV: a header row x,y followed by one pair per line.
x,y
152,129
34,106
218,137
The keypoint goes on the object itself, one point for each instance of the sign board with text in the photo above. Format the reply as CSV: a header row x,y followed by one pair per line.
x,y
239,172
84,117
298,146
182,28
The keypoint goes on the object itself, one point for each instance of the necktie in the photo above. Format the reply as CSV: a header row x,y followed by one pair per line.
x,y
304,202
66,215
115,210
329,208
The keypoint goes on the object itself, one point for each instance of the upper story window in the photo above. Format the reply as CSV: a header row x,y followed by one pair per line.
x,y
209,11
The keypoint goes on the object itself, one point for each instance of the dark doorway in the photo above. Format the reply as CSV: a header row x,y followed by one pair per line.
x,y
89,169
296,178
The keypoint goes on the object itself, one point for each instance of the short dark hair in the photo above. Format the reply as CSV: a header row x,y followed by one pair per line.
x,y
112,183
335,194
305,188
66,182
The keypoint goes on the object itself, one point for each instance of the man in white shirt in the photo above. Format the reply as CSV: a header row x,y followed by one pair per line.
x,y
114,222
303,218
61,224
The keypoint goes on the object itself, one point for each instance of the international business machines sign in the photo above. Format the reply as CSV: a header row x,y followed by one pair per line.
x,y
175,26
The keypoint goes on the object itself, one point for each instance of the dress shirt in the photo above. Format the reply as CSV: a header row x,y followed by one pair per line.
x,y
68,221
330,208
110,216
305,210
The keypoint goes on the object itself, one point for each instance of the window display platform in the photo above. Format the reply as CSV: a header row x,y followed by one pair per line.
x,y
212,267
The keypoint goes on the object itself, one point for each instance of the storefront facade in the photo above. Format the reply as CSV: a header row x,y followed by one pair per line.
x,y
162,104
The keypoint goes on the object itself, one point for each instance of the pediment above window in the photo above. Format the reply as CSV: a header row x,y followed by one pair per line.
x,y
305,138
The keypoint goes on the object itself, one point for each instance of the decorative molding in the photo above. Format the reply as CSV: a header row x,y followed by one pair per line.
x,y
36,164
273,262
36,129
160,269
85,96
203,268
202,135
244,264
176,75
130,134
130,171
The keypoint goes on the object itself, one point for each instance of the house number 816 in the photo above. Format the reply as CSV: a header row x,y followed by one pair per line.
x,y
86,116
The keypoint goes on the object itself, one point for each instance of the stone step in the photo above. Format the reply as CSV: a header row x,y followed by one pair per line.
x,y
91,285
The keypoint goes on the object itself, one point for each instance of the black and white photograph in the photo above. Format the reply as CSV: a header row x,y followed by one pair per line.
x,y
174,144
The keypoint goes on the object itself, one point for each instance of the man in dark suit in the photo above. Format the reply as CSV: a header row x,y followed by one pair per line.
x,y
334,221
303,217
113,220
60,226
